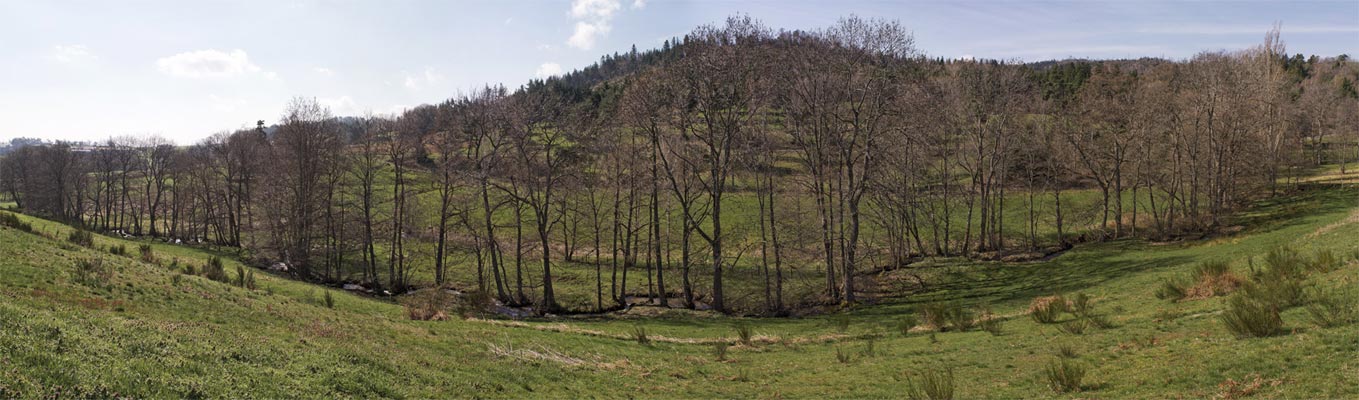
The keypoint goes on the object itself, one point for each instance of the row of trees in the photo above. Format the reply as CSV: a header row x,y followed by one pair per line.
x,y
856,151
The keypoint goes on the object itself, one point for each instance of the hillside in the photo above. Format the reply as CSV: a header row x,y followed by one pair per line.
x,y
149,329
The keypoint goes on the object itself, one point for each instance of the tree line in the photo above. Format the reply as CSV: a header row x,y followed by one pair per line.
x,y
855,151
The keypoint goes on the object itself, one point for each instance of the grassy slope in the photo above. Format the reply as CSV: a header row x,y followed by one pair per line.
x,y
146,335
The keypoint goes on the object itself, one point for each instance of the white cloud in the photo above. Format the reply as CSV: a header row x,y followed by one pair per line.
x,y
599,9
509,20
323,71
548,69
422,80
638,4
210,64
72,54
343,105
587,34
593,20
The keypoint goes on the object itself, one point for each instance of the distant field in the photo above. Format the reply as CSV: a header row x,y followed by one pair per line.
x,y
149,330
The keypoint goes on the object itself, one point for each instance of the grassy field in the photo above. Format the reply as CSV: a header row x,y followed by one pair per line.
x,y
149,330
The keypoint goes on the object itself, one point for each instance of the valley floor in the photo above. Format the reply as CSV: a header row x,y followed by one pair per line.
x,y
148,329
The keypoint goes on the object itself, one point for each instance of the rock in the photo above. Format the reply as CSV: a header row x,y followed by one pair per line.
x,y
280,267
355,287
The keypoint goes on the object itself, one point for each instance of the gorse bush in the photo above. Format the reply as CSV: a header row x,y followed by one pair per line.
x,y
425,305
213,270
1324,261
1172,289
1047,309
1246,316
148,255
720,351
13,221
83,238
906,322
744,333
990,322
1076,326
1330,309
1066,350
935,315
1064,375
640,335
943,316
93,272
841,355
930,384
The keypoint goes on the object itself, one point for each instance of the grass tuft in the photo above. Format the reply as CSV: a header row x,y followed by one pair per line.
x,y
1065,376
930,384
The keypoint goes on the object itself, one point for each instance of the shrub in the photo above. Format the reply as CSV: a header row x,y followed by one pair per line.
x,y
935,315
1282,293
240,276
83,238
961,318
175,279
906,322
1250,317
743,332
118,250
1076,326
148,255
330,300
426,305
930,384
639,334
1065,375
1283,263
1047,309
12,221
720,350
1080,305
1066,350
213,270
1329,309
990,323
870,347
1173,290
250,280
841,355
93,272
1210,279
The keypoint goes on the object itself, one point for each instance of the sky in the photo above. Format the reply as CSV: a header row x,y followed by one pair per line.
x,y
89,70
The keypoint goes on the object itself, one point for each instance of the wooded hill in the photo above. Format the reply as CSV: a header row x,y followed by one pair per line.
x,y
736,149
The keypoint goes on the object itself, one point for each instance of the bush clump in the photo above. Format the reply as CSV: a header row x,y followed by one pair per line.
x,y
12,221
215,271
1330,309
148,255
930,384
1246,317
1064,375
93,272
1047,309
639,334
79,237
427,304
744,333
